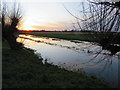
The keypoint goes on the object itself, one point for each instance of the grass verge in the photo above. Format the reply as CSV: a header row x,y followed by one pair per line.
x,y
65,35
23,69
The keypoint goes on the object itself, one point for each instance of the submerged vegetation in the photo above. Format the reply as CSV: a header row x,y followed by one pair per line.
x,y
112,38
23,69
82,36
66,35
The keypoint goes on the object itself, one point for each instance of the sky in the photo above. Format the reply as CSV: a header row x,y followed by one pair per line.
x,y
48,14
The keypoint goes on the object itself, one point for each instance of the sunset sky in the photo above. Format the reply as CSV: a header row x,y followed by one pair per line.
x,y
48,15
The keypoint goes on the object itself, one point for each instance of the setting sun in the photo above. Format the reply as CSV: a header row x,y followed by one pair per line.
x,y
26,28
46,16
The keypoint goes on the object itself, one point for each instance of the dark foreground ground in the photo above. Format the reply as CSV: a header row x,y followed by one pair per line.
x,y
23,69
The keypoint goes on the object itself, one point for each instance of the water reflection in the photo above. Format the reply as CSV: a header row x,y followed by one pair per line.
x,y
75,56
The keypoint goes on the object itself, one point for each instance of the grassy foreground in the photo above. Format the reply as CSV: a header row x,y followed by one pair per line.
x,y
23,69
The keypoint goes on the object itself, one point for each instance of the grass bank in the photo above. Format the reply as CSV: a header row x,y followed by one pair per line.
x,y
66,35
23,69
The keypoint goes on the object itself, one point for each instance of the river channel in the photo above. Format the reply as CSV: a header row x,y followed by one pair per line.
x,y
76,56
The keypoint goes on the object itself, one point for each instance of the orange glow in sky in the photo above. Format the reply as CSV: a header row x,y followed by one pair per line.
x,y
46,16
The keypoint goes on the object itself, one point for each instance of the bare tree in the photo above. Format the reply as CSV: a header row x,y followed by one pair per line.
x,y
10,19
102,18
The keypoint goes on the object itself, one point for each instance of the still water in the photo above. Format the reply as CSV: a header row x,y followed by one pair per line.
x,y
76,56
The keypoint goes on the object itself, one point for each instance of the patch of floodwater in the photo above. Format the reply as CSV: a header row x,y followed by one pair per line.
x,y
75,56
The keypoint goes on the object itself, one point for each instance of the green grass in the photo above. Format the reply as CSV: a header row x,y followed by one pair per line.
x,y
23,69
82,36
68,36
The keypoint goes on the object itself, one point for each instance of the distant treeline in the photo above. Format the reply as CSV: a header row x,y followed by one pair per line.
x,y
24,31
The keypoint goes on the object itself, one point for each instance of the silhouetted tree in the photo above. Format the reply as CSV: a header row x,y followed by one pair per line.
x,y
10,19
103,18
106,19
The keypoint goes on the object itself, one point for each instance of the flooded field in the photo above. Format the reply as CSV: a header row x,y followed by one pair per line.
x,y
76,56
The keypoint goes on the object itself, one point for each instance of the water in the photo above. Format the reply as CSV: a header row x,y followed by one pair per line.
x,y
76,56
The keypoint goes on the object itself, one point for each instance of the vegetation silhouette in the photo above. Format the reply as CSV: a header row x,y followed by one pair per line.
x,y
103,20
10,20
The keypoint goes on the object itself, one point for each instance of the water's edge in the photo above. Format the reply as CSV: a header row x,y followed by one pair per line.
x,y
76,56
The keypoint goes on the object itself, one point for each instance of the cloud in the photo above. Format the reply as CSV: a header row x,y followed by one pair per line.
x,y
51,26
